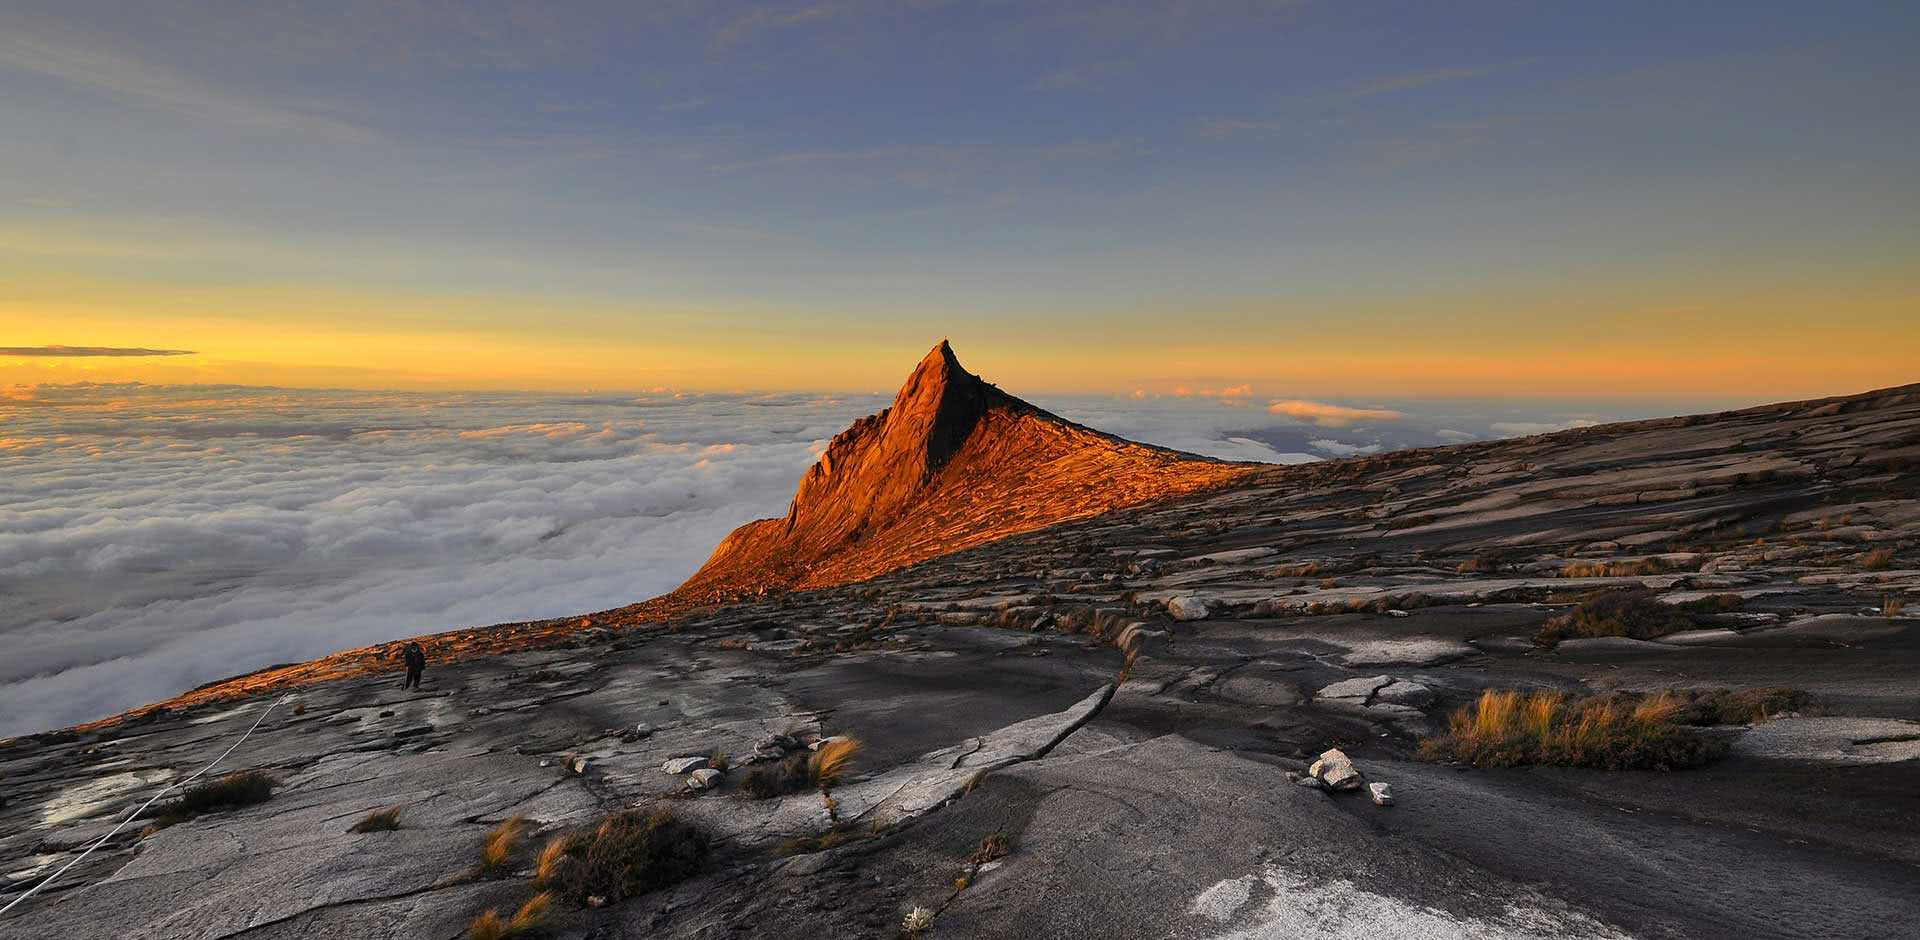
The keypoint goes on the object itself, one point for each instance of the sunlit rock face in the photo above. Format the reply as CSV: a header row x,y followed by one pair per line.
x,y
953,463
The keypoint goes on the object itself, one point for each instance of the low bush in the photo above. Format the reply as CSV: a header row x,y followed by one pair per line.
x,y
1628,612
1738,706
1714,604
241,788
1609,732
798,773
780,778
1880,559
626,855
992,847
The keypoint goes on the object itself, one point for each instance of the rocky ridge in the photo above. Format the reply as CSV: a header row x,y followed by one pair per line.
x,y
1327,614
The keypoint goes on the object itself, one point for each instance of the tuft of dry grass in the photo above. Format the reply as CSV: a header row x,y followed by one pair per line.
x,y
1128,640
1891,606
380,820
529,918
498,849
626,855
832,838
548,864
1305,569
831,760
1880,559
1612,732
1611,569
995,846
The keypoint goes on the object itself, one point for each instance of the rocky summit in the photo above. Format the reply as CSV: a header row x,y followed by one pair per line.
x,y
998,675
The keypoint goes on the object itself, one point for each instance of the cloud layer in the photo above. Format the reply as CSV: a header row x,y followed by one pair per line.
x,y
155,538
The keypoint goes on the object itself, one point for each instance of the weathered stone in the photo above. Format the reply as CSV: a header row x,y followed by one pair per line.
x,y
1336,770
1188,607
681,765
1381,793
703,779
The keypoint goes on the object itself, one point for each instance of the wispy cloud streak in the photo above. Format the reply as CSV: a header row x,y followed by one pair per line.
x,y
90,351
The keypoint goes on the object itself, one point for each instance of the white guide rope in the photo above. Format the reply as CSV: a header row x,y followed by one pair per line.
x,y
30,892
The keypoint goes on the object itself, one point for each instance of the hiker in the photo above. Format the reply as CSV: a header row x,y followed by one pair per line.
x,y
416,664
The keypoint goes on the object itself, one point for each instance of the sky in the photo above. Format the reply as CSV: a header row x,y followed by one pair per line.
x,y
154,538
1345,201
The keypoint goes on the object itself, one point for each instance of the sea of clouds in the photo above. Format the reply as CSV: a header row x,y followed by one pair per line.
x,y
155,538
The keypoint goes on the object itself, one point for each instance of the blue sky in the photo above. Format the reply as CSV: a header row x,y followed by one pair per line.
x,y
866,177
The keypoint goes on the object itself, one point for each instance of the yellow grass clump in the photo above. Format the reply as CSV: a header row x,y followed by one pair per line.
x,y
530,917
498,849
831,760
1608,732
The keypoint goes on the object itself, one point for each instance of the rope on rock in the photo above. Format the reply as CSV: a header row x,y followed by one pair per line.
x,y
30,892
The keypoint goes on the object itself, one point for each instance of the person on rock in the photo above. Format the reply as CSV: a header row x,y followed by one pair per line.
x,y
416,659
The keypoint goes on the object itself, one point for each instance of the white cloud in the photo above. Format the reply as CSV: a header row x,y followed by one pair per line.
x,y
153,539
1524,428
1341,449
1329,415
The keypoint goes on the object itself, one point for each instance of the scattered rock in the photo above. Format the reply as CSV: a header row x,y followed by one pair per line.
x,y
1187,607
580,765
1403,692
1336,770
1382,794
681,765
702,779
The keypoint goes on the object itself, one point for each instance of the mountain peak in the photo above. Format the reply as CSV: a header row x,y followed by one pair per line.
x,y
938,407
953,462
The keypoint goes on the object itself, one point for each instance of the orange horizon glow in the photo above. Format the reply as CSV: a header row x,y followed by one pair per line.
x,y
1577,343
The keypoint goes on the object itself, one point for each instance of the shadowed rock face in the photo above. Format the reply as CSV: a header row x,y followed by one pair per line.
x,y
953,463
